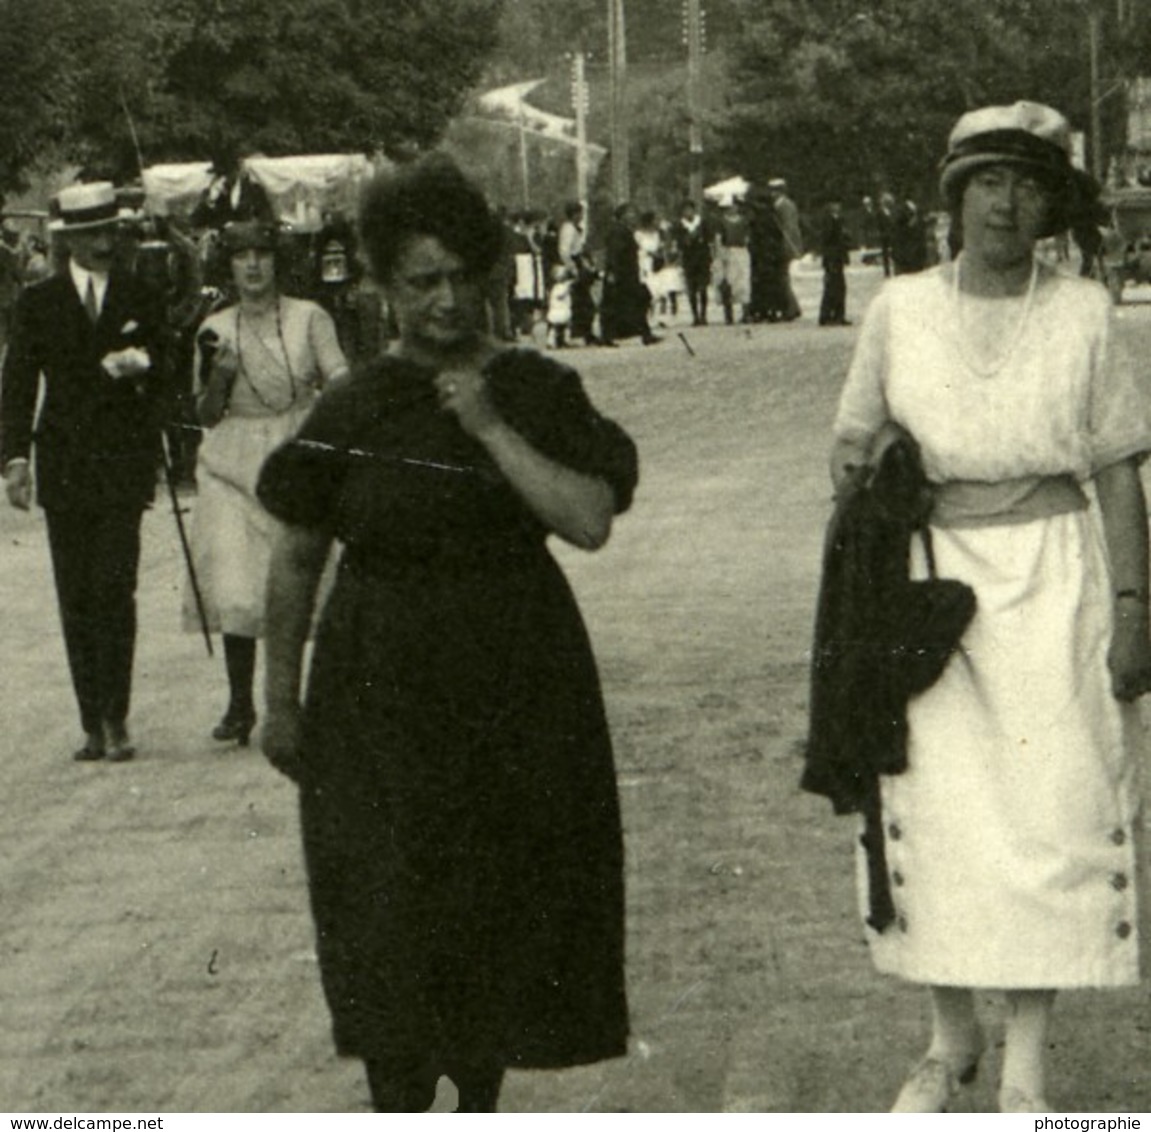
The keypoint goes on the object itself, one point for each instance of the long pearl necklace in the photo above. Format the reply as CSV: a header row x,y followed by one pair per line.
x,y
286,366
977,366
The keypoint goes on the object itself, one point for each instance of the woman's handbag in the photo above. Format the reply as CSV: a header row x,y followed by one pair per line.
x,y
927,624
920,622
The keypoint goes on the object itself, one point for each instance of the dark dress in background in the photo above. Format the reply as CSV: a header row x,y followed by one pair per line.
x,y
768,261
459,807
908,241
623,310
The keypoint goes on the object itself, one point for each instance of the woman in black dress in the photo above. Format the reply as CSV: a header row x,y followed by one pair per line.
x,y
459,807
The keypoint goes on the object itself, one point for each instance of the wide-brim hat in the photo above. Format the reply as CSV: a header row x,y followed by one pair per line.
x,y
80,208
247,235
1027,135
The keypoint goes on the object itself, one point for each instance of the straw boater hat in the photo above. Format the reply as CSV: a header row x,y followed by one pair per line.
x,y
1027,135
80,208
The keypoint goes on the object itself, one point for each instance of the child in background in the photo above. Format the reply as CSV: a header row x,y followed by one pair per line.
x,y
559,307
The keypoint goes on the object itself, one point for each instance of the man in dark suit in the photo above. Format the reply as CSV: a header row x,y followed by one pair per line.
x,y
835,250
693,238
93,335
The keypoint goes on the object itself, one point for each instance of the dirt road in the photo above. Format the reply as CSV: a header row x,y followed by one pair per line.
x,y
155,945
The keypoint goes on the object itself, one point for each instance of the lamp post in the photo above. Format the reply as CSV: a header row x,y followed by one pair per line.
x,y
617,67
694,35
525,176
580,106
1093,25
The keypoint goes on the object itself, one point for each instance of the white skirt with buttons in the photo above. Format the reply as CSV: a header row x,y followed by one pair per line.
x,y
1013,838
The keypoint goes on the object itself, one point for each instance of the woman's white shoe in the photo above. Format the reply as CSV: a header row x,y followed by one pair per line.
x,y
1012,1099
933,1082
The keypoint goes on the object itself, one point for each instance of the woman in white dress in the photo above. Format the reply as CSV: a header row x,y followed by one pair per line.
x,y
1011,839
649,241
264,361
667,282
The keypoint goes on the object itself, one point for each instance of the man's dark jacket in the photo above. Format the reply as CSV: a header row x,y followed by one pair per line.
x,y
97,439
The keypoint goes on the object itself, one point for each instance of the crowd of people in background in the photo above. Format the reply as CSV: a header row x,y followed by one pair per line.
x,y
710,260
558,281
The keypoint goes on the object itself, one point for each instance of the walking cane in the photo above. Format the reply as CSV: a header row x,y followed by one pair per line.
x,y
165,452
170,477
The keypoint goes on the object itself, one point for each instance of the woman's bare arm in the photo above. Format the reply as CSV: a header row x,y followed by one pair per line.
x,y
1124,512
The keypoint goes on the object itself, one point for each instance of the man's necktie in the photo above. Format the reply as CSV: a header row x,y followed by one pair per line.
x,y
90,306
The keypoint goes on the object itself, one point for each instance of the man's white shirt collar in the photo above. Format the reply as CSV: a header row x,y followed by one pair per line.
x,y
80,277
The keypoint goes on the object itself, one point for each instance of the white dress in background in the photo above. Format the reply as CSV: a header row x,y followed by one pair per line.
x,y
649,244
1012,839
280,377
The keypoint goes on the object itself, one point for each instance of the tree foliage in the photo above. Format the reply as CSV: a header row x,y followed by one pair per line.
x,y
847,96
535,37
188,79
34,106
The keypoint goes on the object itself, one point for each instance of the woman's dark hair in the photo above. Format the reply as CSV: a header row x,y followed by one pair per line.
x,y
428,198
236,238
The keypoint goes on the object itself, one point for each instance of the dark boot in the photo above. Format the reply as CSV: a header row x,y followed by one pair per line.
x,y
240,661
478,1086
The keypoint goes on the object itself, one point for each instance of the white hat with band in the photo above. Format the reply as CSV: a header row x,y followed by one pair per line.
x,y
82,207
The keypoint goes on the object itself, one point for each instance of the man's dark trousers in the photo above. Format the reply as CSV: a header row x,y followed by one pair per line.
x,y
95,556
833,308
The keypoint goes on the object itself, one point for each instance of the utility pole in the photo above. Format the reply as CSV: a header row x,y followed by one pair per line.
x,y
617,62
580,106
1093,20
694,35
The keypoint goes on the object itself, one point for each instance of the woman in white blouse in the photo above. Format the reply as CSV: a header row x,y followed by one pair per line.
x,y
1011,838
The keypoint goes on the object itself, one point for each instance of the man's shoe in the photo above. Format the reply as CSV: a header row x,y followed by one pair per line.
x,y
119,747
93,749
